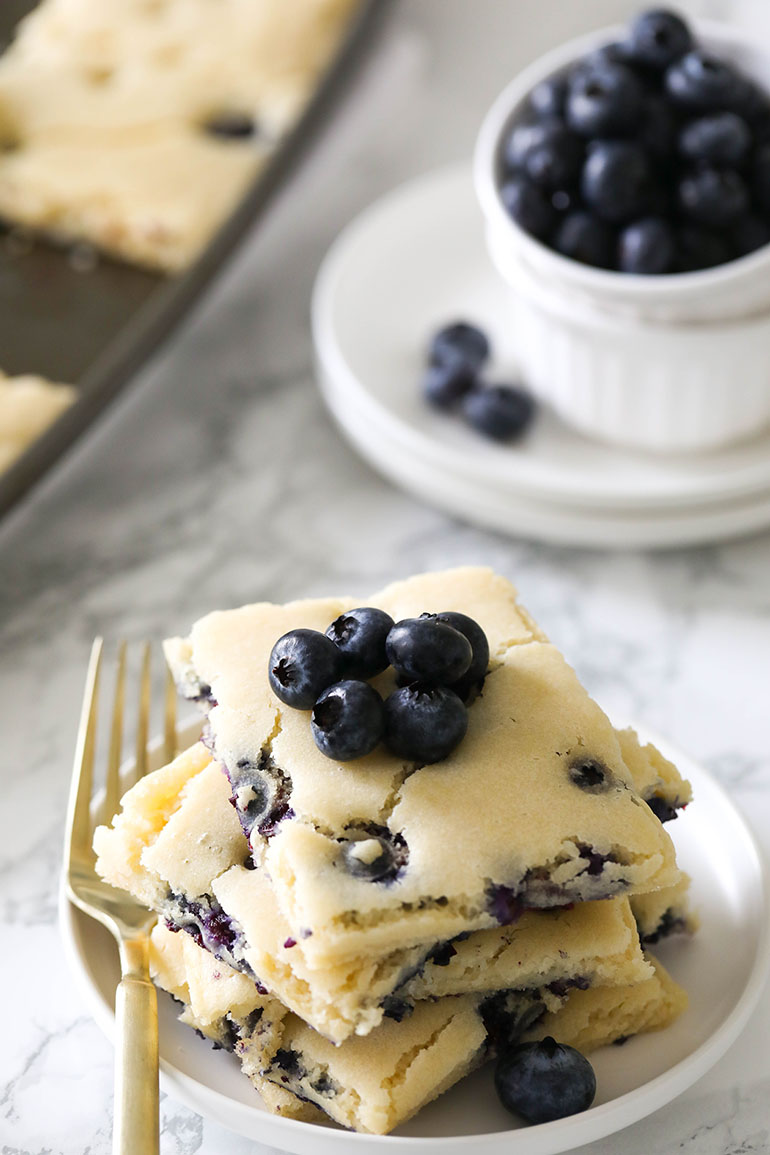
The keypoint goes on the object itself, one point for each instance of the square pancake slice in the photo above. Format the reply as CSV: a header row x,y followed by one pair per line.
x,y
507,822
375,1083
178,847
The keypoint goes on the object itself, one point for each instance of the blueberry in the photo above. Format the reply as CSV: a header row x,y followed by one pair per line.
x,y
659,128
699,248
703,83
550,155
232,125
519,141
590,775
713,196
348,720
616,180
721,138
370,859
428,651
662,810
547,98
444,385
748,234
604,101
473,678
760,185
612,53
528,206
461,343
585,238
500,412
647,247
424,724
360,636
657,38
303,663
544,1081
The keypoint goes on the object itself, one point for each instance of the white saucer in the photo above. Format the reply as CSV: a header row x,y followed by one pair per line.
x,y
730,892
417,259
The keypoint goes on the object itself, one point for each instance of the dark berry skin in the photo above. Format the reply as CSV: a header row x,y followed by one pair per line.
x,y
700,248
647,247
473,679
547,98
550,155
348,720
303,663
459,343
760,183
369,869
722,138
444,385
544,1081
657,38
604,101
360,637
232,125
583,237
749,234
616,180
428,651
424,724
713,197
529,206
500,412
702,83
659,128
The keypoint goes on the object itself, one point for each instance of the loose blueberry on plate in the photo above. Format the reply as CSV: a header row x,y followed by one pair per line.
x,y
461,343
582,237
348,720
544,1081
647,247
720,139
657,38
446,384
360,636
472,680
424,724
616,180
303,663
603,101
500,412
714,196
428,651
528,206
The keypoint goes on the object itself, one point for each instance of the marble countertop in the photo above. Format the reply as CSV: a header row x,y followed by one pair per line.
x,y
218,478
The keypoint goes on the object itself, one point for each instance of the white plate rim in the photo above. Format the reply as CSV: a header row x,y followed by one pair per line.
x,y
518,478
543,1139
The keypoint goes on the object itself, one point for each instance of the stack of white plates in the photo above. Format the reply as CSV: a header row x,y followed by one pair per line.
x,y
416,260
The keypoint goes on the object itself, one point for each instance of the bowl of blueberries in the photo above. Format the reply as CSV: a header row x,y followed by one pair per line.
x,y
624,180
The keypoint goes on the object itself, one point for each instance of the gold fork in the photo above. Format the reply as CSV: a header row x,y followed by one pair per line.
x,y
136,1128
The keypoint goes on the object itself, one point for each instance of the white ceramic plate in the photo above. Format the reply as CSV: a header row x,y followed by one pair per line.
x,y
730,891
491,506
417,259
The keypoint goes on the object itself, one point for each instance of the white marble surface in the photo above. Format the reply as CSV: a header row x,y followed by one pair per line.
x,y
218,478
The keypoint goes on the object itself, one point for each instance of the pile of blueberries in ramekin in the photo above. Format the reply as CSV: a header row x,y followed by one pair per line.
x,y
650,155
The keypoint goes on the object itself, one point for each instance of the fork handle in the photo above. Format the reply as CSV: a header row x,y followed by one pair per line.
x,y
136,1126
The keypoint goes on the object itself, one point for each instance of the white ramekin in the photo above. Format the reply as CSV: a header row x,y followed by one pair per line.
x,y
663,363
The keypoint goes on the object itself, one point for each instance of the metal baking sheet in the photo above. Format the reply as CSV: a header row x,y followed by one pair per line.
x,y
94,327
